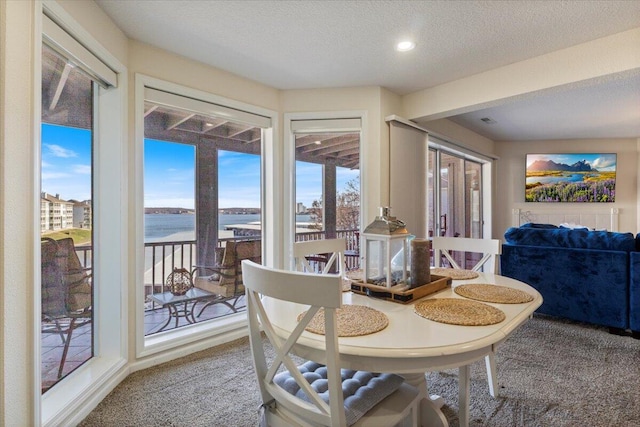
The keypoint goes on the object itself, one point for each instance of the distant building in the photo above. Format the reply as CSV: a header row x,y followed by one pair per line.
x,y
301,208
82,214
45,207
59,214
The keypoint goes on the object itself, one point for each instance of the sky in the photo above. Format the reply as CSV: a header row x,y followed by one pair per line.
x,y
601,162
169,172
66,162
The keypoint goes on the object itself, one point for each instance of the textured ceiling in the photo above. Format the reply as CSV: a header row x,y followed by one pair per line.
x,y
319,44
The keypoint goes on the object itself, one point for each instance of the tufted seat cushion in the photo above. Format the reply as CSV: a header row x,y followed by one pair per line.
x,y
362,390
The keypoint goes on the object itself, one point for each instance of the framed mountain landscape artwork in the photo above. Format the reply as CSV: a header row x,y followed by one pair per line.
x,y
581,177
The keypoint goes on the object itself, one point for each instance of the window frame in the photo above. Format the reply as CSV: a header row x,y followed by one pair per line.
x,y
229,327
109,176
437,145
317,122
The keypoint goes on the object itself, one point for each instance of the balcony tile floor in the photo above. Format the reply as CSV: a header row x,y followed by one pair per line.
x,y
80,347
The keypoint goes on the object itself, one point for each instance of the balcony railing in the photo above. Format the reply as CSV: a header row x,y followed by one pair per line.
x,y
162,257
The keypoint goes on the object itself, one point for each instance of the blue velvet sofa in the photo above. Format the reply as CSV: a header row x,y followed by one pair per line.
x,y
634,292
587,276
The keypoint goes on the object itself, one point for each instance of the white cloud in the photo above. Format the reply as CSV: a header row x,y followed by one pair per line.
x,y
82,169
605,162
59,151
54,175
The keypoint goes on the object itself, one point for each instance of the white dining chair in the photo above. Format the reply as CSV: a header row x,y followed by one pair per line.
x,y
329,252
300,396
490,250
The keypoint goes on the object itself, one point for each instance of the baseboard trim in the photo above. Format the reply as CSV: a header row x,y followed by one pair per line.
x,y
193,347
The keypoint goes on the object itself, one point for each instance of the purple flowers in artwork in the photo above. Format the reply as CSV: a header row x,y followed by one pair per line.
x,y
591,191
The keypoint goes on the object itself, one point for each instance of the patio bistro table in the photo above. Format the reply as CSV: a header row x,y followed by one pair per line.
x,y
411,345
181,305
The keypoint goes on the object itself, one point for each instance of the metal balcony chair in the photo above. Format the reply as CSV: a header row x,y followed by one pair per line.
x,y
225,279
289,398
490,250
66,292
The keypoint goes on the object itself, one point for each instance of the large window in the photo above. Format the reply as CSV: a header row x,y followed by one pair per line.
x,y
66,219
327,182
202,192
81,239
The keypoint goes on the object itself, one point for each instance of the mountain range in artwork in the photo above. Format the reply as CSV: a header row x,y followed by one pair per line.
x,y
550,165
570,178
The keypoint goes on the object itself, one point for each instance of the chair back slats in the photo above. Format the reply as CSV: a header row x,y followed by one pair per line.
x,y
301,288
66,284
327,251
489,248
312,290
66,292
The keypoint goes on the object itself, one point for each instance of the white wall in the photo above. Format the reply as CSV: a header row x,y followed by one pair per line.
x,y
511,180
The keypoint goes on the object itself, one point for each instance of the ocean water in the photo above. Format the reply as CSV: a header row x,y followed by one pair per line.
x,y
164,227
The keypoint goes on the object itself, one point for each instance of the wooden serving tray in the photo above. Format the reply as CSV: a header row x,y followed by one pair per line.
x,y
400,293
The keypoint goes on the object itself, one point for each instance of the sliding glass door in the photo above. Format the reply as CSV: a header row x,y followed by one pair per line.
x,y
455,199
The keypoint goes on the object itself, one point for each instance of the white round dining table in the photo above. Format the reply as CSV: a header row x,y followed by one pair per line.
x,y
411,345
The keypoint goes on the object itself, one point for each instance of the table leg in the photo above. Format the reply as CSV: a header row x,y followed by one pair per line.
x,y
492,372
464,389
430,413
168,319
189,314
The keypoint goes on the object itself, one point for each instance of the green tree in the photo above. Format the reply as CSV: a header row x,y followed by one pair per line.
x,y
347,207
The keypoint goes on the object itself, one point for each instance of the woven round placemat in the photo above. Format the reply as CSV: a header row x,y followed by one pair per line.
x,y
454,273
353,321
493,293
455,311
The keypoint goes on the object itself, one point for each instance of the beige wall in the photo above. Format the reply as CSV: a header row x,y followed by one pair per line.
x,y
95,22
511,179
457,134
18,229
158,63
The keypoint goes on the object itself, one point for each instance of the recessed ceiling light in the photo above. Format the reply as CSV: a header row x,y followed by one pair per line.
x,y
405,46
317,142
208,124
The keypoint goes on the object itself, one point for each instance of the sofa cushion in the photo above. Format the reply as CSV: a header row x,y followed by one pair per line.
x,y
536,225
571,238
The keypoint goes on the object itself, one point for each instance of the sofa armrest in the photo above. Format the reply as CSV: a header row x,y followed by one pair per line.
x,y
634,291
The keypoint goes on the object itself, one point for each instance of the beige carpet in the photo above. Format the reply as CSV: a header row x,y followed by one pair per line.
x,y
550,373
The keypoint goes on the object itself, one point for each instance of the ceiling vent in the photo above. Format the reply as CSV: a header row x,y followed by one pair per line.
x,y
488,120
